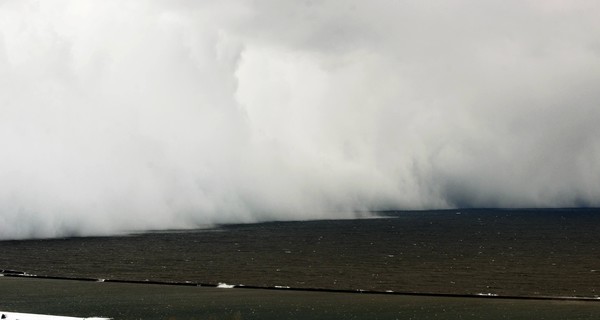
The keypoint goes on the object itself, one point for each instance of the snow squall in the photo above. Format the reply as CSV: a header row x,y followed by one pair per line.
x,y
119,115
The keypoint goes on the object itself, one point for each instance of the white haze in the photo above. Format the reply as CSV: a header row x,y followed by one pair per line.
x,y
120,115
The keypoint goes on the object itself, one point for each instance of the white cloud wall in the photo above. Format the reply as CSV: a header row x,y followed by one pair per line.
x,y
129,115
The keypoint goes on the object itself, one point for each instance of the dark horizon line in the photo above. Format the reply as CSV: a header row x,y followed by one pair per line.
x,y
483,295
485,208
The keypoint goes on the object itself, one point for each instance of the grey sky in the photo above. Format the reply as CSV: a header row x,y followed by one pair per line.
x,y
123,115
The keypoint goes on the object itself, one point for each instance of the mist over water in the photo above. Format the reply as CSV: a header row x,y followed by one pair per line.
x,y
128,115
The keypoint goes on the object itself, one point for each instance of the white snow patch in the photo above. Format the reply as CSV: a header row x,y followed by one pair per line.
x,y
31,316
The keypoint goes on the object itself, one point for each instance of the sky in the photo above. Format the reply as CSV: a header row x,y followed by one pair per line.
x,y
122,115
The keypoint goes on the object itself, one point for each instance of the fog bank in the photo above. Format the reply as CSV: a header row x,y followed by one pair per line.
x,y
128,115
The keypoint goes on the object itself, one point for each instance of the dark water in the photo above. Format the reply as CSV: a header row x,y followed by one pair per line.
x,y
506,252
141,301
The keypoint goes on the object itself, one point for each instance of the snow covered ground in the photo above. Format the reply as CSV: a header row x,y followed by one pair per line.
x,y
30,316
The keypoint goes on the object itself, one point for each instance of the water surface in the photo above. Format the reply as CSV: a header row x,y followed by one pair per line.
x,y
506,252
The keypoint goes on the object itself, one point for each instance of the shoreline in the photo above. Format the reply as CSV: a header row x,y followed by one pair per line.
x,y
22,274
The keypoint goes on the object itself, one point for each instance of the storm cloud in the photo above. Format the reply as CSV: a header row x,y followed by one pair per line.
x,y
135,115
